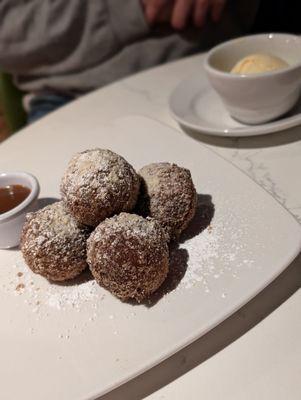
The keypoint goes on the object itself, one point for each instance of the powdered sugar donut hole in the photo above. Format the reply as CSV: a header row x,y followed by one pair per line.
x,y
52,243
98,184
128,255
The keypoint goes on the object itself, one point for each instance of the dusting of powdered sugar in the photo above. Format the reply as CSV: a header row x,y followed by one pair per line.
x,y
40,295
202,257
73,296
44,300
202,252
217,250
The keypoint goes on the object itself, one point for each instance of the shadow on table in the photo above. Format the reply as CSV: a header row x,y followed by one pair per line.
x,y
250,142
178,258
202,219
46,201
84,277
214,341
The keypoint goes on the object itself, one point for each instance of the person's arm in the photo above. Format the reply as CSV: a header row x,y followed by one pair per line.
x,y
35,34
127,19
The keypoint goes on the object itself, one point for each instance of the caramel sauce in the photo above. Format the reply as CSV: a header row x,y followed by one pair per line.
x,y
11,196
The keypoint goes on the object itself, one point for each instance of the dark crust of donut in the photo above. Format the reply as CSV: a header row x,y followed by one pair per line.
x,y
128,255
98,184
168,195
53,245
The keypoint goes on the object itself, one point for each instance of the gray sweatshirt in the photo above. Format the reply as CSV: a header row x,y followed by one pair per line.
x,y
74,46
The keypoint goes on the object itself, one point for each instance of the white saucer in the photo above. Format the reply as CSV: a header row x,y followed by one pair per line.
x,y
195,105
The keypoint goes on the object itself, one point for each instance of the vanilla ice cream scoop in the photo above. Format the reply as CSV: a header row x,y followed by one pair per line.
x,y
257,63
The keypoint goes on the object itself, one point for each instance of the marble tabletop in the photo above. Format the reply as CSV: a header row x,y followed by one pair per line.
x,y
256,353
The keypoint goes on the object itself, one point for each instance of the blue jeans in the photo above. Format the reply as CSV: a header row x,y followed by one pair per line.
x,y
43,104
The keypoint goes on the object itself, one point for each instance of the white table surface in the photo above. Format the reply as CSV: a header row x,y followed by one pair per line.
x,y
256,353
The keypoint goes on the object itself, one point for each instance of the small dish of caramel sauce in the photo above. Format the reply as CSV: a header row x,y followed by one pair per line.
x,y
11,196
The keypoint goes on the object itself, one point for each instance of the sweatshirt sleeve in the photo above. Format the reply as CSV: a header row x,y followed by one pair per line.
x,y
127,19
35,32
59,36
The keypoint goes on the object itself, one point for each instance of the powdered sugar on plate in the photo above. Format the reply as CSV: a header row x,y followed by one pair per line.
x,y
38,293
202,251
72,296
211,247
217,249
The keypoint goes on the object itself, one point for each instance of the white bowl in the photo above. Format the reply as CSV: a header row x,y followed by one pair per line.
x,y
11,222
262,97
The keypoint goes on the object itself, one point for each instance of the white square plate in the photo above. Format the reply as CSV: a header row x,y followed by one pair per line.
x,y
77,342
